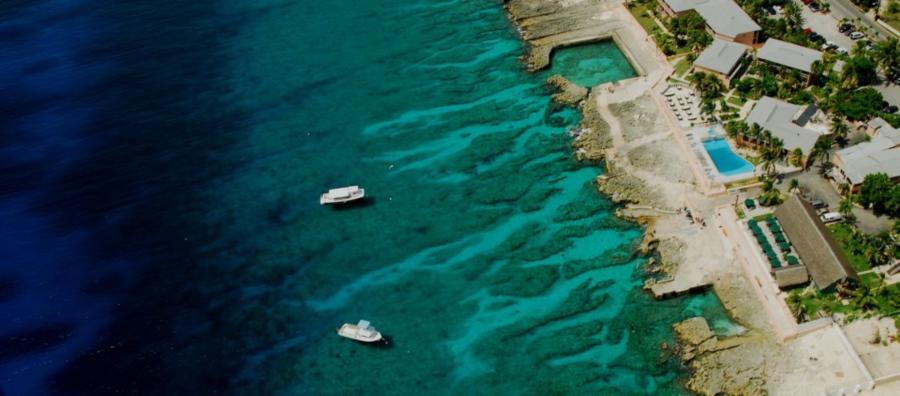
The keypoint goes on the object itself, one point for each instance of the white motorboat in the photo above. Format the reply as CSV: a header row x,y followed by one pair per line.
x,y
362,332
342,195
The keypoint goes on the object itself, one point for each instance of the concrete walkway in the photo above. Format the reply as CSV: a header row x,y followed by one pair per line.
x,y
755,268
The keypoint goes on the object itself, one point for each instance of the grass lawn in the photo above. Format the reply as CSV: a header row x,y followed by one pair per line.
x,y
763,217
871,279
892,19
742,183
682,66
841,234
640,13
737,101
819,304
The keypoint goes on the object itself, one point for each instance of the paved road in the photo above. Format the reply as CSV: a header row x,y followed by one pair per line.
x,y
843,9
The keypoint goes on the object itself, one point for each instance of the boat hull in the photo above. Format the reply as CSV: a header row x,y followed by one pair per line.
x,y
355,333
326,199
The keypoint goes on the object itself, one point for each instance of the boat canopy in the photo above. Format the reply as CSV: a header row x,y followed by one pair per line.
x,y
343,192
363,324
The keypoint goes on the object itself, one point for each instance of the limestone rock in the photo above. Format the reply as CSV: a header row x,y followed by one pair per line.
x,y
694,338
566,92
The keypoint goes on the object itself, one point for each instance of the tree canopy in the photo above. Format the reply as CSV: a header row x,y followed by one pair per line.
x,y
859,71
879,192
858,105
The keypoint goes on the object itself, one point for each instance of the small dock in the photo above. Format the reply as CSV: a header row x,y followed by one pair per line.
x,y
677,287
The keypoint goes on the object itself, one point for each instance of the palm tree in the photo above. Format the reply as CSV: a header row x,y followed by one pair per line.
x,y
800,312
879,249
771,195
772,153
753,134
845,208
794,185
821,151
840,129
887,54
793,15
864,297
797,156
844,189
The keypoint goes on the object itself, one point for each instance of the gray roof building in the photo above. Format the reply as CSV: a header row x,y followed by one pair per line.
x,y
879,155
790,55
724,17
721,56
788,122
684,5
727,18
813,243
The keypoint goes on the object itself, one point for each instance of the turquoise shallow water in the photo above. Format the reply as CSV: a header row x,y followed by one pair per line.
x,y
484,251
592,64
485,254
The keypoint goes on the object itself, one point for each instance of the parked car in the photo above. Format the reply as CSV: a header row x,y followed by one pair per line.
x,y
814,7
816,38
842,51
778,9
891,109
831,217
807,1
818,204
845,28
857,35
769,10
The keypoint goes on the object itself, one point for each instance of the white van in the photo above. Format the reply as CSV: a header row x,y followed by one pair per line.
x,y
857,35
831,217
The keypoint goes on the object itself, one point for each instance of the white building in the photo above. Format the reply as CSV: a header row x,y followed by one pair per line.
x,y
881,154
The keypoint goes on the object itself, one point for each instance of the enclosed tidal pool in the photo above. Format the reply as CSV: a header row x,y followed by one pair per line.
x,y
484,252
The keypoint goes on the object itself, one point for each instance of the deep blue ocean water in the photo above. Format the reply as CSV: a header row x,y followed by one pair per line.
x,y
161,233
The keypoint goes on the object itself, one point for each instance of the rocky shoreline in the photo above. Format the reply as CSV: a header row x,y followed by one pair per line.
x,y
636,161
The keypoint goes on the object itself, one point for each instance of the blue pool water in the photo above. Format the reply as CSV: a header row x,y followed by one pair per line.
x,y
727,162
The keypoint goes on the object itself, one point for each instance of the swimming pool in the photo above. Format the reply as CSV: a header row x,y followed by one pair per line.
x,y
727,162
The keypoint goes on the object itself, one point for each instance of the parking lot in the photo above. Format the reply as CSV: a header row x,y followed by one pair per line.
x,y
817,188
827,26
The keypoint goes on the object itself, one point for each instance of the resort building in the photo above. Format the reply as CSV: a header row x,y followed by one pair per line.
x,y
813,243
722,59
791,276
799,127
789,56
881,154
724,18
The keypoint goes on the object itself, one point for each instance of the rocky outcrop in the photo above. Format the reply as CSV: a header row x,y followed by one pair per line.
x,y
594,138
671,253
729,366
694,338
566,92
625,188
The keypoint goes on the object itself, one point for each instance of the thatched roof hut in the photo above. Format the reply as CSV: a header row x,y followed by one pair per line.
x,y
813,242
791,276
